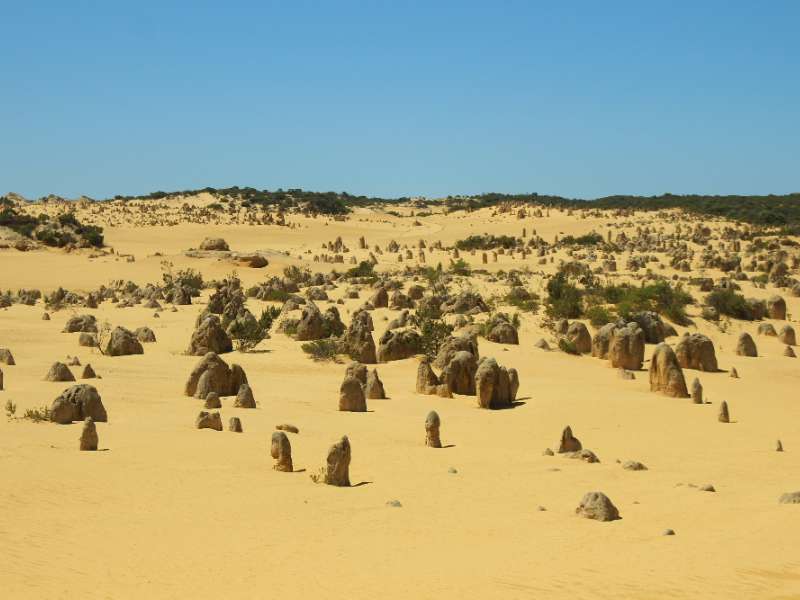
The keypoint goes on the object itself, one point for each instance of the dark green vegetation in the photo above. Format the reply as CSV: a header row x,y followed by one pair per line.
x,y
486,242
566,299
364,269
249,334
461,267
57,234
729,303
182,277
433,331
584,240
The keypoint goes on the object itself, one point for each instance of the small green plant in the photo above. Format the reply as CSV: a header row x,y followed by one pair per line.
x,y
246,335
569,347
461,267
394,213
11,409
516,322
563,297
297,274
321,477
433,330
183,277
600,315
729,303
364,269
277,296
321,350
37,414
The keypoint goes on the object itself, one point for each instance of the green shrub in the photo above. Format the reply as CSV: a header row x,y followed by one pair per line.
x,y
531,305
433,330
461,267
247,335
215,206
364,269
394,213
47,238
321,350
184,277
568,347
93,235
297,274
37,414
563,297
600,315
729,303
584,240
26,229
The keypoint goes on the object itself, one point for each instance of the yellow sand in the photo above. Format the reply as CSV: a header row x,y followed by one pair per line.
x,y
166,511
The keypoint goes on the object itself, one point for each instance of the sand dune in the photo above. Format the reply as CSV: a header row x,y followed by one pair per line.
x,y
168,511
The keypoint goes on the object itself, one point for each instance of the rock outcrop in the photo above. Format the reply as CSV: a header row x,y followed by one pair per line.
x,y
373,388
81,324
212,374
493,385
281,451
746,345
568,442
338,468
88,439
358,343
696,351
666,375
397,345
59,372
244,397
145,335
578,334
76,403
597,506
351,396
500,331
210,337
123,342
626,347
208,421
432,424
787,336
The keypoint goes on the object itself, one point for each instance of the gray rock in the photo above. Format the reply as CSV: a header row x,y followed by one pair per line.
x,y
597,506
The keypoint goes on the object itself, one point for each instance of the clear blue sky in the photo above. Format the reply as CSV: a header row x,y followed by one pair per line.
x,y
580,99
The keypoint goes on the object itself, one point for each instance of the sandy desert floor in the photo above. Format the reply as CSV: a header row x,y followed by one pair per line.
x,y
167,511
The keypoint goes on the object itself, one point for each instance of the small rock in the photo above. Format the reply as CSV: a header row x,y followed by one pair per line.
x,y
212,401
541,508
632,465
553,469
394,503
208,421
793,498
235,425
734,373
706,488
451,470
668,532
548,452
597,506
287,427
88,437
623,373
778,447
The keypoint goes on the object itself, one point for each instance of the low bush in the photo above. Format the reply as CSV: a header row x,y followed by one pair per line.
x,y
321,350
729,303
563,297
433,330
600,315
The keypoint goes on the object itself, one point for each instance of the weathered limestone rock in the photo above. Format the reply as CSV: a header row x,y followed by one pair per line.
x,y
585,455
597,506
223,380
123,343
76,403
623,373
213,401
500,331
351,396
88,372
767,329
210,337
568,443
653,326
601,341
6,357
789,352
146,335
235,425
59,372
632,465
696,351
778,447
397,345
380,299
208,421
86,340
466,342
776,308
666,375
793,498
493,385
722,415
82,324
432,424
427,382
542,343
338,469
626,348
373,388
459,375
281,450
214,244
357,342
746,345
244,398
697,392
357,370
578,334
88,439
787,336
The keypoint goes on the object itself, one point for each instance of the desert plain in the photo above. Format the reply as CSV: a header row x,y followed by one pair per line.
x,y
164,510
